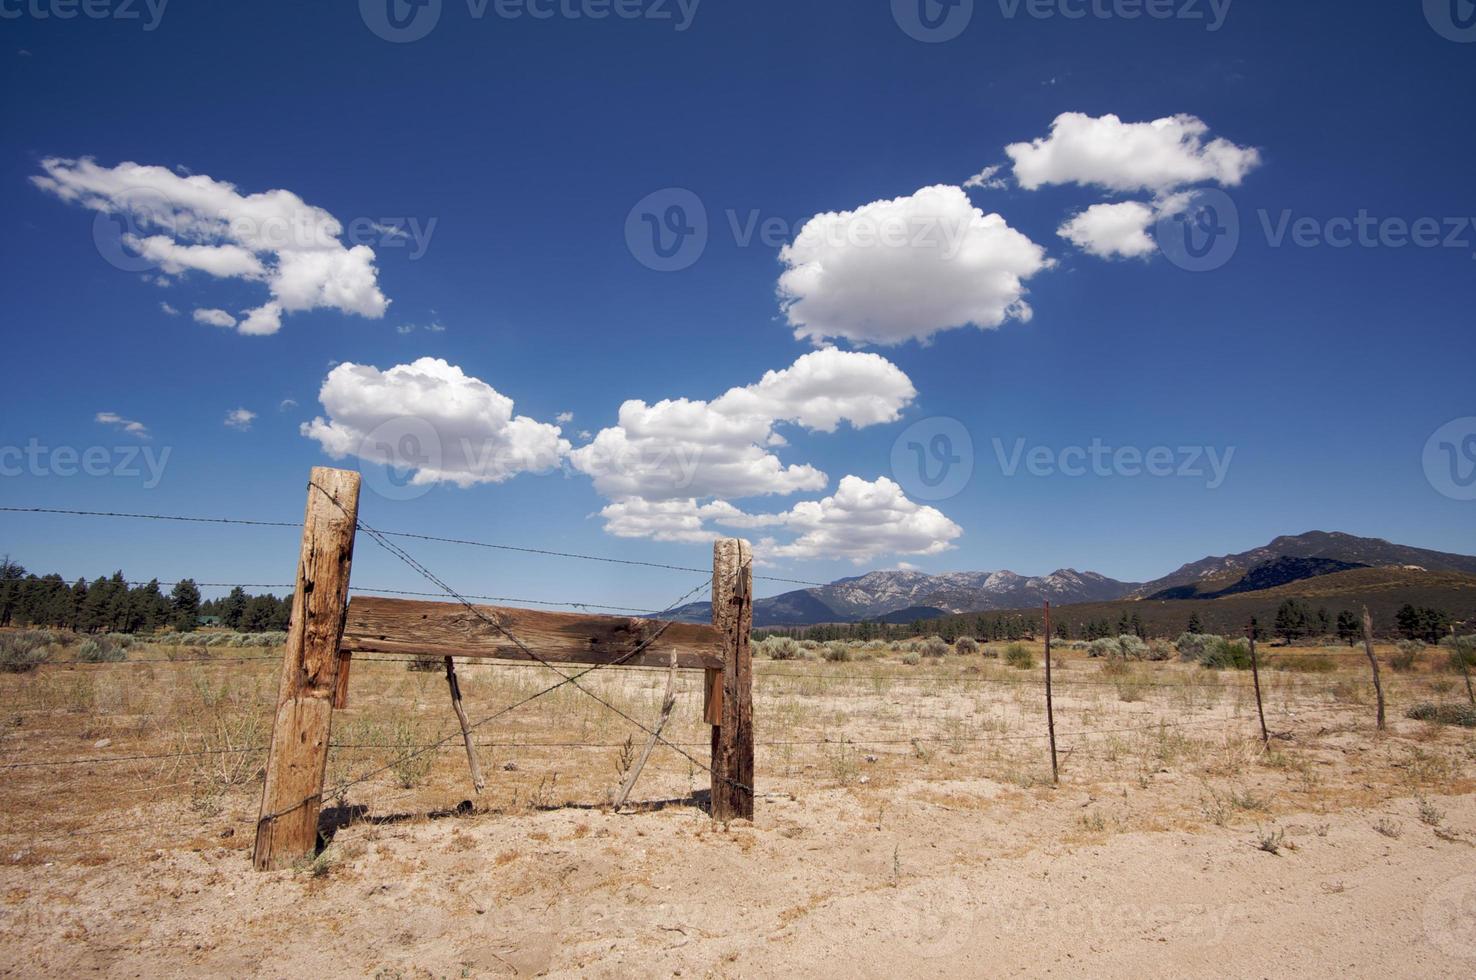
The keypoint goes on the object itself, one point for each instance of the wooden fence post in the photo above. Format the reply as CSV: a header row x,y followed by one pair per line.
x,y
287,829
732,737
1373,662
1050,706
1256,680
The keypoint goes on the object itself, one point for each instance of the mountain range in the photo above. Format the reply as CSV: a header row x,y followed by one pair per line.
x,y
906,596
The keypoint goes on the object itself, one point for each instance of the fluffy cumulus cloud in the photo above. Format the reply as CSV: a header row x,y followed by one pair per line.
x,y
194,223
688,449
904,269
215,318
1104,151
1113,230
860,521
433,417
671,470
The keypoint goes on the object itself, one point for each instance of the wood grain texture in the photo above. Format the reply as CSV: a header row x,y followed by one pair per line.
x,y
451,629
732,741
287,829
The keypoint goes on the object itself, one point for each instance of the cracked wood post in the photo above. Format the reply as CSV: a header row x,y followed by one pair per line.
x,y
732,736
287,829
478,783
1373,662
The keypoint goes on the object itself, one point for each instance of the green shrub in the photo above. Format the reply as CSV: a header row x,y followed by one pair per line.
x,y
911,658
100,650
935,646
1461,648
1407,656
1159,650
837,652
780,648
966,645
1125,647
1444,714
1194,646
23,651
1018,655
1227,655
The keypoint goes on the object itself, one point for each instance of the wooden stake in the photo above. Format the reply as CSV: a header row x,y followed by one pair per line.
x,y
1455,651
1373,662
732,740
667,704
1050,707
287,829
1256,680
478,783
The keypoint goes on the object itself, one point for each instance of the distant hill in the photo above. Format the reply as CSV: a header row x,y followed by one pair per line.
x,y
1267,575
1299,562
1221,572
904,596
1383,590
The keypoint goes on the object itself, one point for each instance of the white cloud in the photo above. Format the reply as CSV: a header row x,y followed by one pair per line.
x,y
464,430
564,418
1106,152
987,179
860,521
904,269
125,425
215,318
240,418
1112,230
168,309
287,403
198,224
681,449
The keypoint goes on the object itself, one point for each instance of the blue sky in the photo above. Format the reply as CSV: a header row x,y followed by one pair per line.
x,y
515,152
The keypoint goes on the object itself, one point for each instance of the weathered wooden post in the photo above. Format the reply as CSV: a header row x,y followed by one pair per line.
x,y
730,706
1256,679
1050,704
287,829
1373,662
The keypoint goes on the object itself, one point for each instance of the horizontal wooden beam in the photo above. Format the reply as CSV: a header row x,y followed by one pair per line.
x,y
448,629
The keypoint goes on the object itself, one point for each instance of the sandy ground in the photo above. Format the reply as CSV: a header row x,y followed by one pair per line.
x,y
939,858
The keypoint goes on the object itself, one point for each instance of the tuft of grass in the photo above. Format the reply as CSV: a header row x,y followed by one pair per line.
x,y
410,769
1271,842
1444,714
1392,829
1430,814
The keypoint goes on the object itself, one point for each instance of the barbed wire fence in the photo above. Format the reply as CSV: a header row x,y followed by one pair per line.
x,y
1064,685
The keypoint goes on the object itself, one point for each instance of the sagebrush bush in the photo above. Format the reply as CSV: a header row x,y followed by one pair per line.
x,y
1226,655
837,652
966,645
809,644
1460,648
1407,655
935,646
1018,655
780,648
1125,647
1196,646
100,650
1159,651
23,651
911,658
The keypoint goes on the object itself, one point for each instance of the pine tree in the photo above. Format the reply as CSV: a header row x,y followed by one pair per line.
x,y
184,606
1196,625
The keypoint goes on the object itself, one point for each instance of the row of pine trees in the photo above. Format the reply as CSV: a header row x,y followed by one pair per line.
x,y
115,605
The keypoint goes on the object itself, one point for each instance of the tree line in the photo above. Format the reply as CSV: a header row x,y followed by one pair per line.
x,y
113,604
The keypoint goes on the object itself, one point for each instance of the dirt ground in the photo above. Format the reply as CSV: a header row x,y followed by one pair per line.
x,y
906,825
